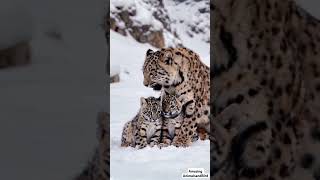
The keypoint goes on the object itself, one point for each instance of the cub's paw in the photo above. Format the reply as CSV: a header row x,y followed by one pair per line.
x,y
162,145
125,144
140,146
153,144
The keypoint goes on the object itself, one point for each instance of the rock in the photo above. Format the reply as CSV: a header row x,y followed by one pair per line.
x,y
144,25
115,78
17,55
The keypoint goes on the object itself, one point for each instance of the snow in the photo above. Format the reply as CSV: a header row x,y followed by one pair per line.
x,y
48,109
143,14
186,14
126,4
148,163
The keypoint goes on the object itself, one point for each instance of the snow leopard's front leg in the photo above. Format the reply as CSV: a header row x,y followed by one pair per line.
x,y
141,137
127,138
165,136
155,139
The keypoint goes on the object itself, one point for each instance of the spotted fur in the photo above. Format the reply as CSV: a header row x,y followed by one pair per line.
x,y
266,99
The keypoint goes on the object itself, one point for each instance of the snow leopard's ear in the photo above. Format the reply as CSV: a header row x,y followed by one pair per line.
x,y
149,52
142,101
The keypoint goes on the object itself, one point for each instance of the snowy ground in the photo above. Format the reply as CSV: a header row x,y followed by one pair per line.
x,y
48,109
149,163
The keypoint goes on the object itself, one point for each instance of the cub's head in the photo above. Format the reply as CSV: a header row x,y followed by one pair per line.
x,y
161,68
150,109
171,106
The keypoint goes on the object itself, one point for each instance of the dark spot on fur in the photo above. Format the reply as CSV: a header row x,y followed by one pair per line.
x,y
253,23
275,30
278,125
279,62
302,48
271,178
239,99
252,92
270,104
248,172
286,139
271,83
315,133
227,41
260,35
278,92
239,77
288,89
254,55
277,153
263,82
249,45
316,173
318,86
264,57
284,171
307,161
178,53
283,46
261,149
270,111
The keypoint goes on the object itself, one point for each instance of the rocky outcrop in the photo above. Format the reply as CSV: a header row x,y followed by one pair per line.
x,y
16,55
147,22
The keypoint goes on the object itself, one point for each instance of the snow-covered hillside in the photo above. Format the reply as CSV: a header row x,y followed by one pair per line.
x,y
163,23
48,108
191,21
150,163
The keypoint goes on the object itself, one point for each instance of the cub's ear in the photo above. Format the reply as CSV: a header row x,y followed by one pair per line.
x,y
142,101
149,52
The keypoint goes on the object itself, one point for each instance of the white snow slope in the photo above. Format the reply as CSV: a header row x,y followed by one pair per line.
x,y
48,109
149,163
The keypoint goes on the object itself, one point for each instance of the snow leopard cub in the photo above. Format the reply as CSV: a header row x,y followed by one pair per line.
x,y
173,111
145,127
172,118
